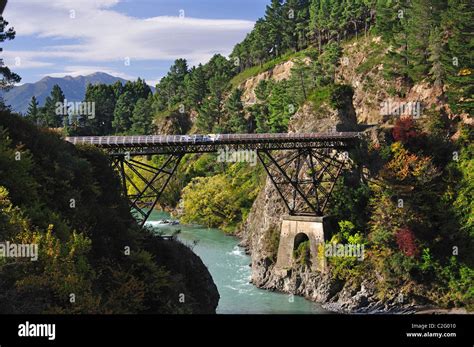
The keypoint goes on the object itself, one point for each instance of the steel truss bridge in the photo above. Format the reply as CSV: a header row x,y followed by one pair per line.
x,y
302,167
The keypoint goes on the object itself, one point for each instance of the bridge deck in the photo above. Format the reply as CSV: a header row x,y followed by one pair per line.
x,y
158,144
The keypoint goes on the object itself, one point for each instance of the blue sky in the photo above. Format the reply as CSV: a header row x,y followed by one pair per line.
x,y
126,38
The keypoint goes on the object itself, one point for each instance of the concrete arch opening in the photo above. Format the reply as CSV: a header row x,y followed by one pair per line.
x,y
302,249
299,239
294,231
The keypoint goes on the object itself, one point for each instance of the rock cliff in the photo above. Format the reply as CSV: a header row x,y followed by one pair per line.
x,y
260,232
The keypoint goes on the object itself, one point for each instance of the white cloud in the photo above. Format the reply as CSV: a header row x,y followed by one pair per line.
x,y
19,61
99,34
152,83
79,70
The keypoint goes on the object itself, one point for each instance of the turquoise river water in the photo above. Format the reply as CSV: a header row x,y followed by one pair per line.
x,y
230,269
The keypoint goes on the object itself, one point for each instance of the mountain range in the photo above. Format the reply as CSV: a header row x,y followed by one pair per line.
x,y
74,89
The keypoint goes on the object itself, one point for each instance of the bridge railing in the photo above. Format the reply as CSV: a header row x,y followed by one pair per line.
x,y
147,140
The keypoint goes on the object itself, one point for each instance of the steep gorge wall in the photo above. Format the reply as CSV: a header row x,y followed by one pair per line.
x,y
260,231
264,223
362,68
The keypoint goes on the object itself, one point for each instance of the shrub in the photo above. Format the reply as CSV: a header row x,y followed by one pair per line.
x,y
406,242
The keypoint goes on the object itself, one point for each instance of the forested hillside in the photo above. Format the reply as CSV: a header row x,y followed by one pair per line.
x,y
92,257
421,247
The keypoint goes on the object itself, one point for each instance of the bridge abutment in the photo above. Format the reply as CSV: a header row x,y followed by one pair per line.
x,y
295,229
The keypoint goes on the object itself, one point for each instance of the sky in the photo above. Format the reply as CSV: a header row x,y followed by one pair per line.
x,y
125,38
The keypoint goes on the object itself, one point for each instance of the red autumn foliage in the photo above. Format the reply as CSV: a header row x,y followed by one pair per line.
x,y
405,129
406,242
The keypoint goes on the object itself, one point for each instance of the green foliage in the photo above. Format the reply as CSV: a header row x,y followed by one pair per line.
x,y
302,254
294,24
457,26
33,111
235,112
123,113
224,199
345,268
320,96
8,78
281,107
272,242
430,39
80,248
349,200
464,188
210,201
142,117
104,98
48,115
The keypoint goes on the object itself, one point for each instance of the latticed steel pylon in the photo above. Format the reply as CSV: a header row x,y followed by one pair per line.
x,y
304,178
144,192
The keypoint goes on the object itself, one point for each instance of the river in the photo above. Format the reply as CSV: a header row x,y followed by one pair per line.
x,y
230,269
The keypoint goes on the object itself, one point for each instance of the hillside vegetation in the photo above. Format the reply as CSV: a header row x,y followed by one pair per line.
x,y
424,248
92,257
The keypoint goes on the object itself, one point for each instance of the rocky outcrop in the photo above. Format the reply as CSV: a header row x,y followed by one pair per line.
x,y
174,123
191,285
278,73
323,119
362,67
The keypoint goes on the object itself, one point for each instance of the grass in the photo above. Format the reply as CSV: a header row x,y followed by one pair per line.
x,y
320,96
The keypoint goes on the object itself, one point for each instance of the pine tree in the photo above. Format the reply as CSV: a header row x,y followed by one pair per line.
x,y
123,112
8,78
118,89
176,76
52,114
211,112
418,27
103,97
274,15
196,87
302,23
392,24
314,25
435,49
260,45
335,22
142,117
281,107
289,17
33,112
235,110
458,26
300,75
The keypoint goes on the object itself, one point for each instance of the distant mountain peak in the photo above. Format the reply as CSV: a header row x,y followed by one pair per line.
x,y
74,88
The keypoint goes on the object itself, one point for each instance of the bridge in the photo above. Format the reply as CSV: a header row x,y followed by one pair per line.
x,y
302,167
175,144
304,178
